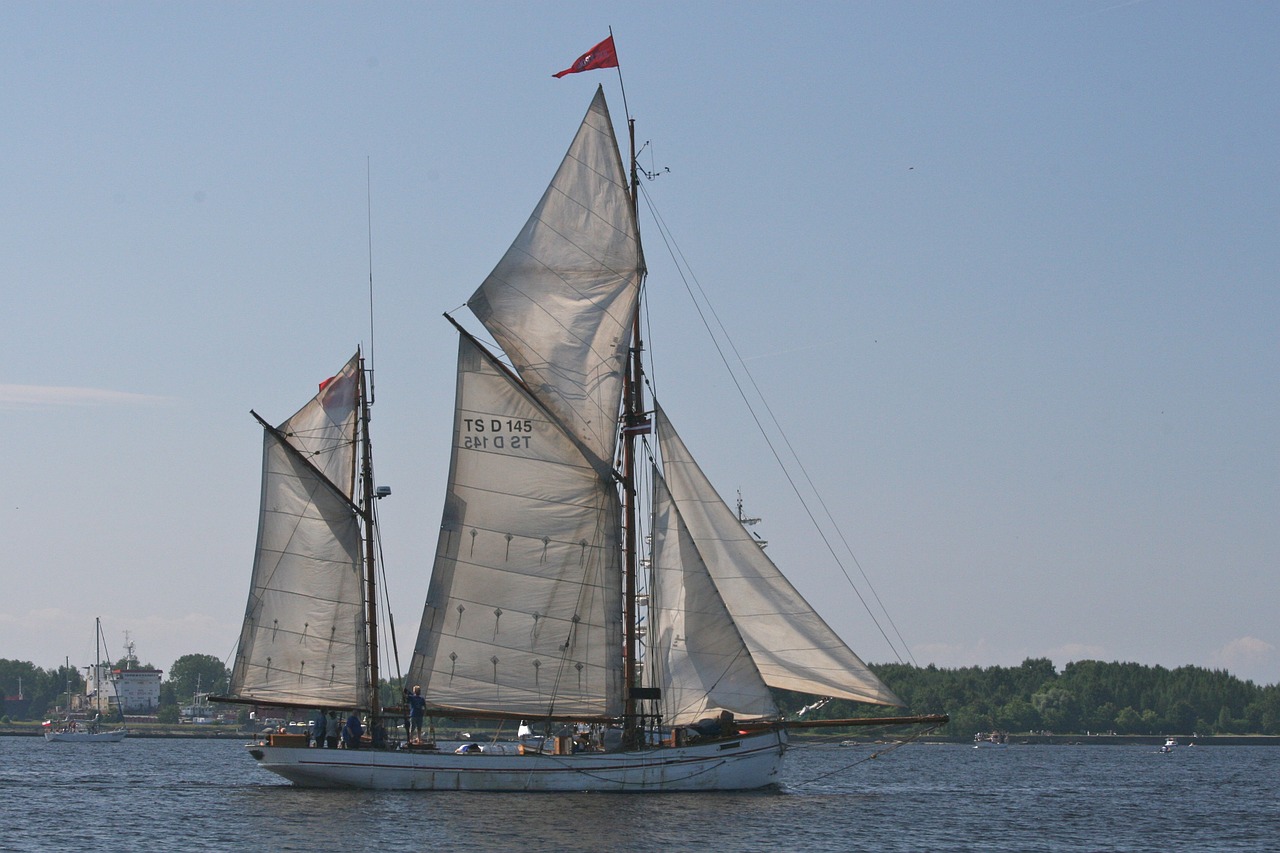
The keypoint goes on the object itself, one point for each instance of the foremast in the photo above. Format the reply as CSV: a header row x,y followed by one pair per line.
x,y
367,498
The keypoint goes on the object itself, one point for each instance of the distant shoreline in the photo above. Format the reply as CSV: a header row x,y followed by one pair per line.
x,y
1123,740
143,730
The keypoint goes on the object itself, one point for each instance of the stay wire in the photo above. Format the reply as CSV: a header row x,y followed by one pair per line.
x,y
386,599
682,266
896,745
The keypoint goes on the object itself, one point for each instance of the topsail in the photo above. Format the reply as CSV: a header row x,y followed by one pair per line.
x,y
561,301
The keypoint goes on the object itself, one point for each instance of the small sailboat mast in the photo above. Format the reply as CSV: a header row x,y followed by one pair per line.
x,y
97,663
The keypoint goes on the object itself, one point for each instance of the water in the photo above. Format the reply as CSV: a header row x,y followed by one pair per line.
x,y
154,794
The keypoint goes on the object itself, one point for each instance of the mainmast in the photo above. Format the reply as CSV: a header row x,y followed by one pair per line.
x,y
633,415
370,547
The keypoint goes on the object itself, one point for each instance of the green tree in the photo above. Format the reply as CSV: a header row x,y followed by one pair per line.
x,y
1129,722
1017,715
1181,718
34,684
1225,724
197,673
1057,708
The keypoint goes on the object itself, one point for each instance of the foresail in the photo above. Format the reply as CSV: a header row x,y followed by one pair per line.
x,y
793,648
523,614
560,302
696,654
302,641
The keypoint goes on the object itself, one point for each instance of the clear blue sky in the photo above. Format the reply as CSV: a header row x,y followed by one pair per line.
x,y
1005,272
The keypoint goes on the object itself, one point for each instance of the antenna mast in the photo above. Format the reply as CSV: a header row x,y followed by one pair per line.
x,y
368,205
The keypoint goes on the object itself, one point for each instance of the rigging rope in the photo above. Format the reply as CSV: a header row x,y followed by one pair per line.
x,y
686,275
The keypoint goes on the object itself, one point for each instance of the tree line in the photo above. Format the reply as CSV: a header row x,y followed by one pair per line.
x,y
1087,696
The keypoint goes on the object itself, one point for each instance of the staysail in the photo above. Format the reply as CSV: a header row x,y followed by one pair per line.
x,y
523,614
303,639
792,648
697,656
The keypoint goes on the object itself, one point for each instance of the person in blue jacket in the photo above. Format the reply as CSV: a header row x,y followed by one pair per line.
x,y
352,731
417,708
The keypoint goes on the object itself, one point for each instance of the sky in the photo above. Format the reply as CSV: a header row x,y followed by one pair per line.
x,y
1004,273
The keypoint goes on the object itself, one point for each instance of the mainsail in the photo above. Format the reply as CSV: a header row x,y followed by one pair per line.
x,y
523,615
789,644
303,640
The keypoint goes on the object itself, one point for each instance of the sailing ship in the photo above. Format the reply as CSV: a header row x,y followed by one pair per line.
x,y
89,729
535,608
77,731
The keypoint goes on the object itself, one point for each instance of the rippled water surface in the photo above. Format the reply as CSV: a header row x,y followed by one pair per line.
x,y
161,794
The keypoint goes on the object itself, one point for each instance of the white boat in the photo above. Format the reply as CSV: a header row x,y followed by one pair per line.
x,y
990,740
1169,744
73,731
88,730
533,612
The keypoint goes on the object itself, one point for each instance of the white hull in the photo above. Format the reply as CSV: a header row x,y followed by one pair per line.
x,y
86,737
751,761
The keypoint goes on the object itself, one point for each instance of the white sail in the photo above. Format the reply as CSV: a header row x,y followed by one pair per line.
x,y
303,639
323,431
523,614
792,647
699,659
560,302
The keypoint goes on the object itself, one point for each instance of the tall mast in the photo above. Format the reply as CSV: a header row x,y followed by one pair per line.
x,y
370,548
633,413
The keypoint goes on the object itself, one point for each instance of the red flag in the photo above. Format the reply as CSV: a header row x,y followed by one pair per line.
x,y
601,56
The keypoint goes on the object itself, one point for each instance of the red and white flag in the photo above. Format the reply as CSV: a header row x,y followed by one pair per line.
x,y
644,426
602,55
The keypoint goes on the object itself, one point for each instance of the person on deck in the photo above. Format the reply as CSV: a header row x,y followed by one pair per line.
x,y
318,729
352,731
417,708
332,730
